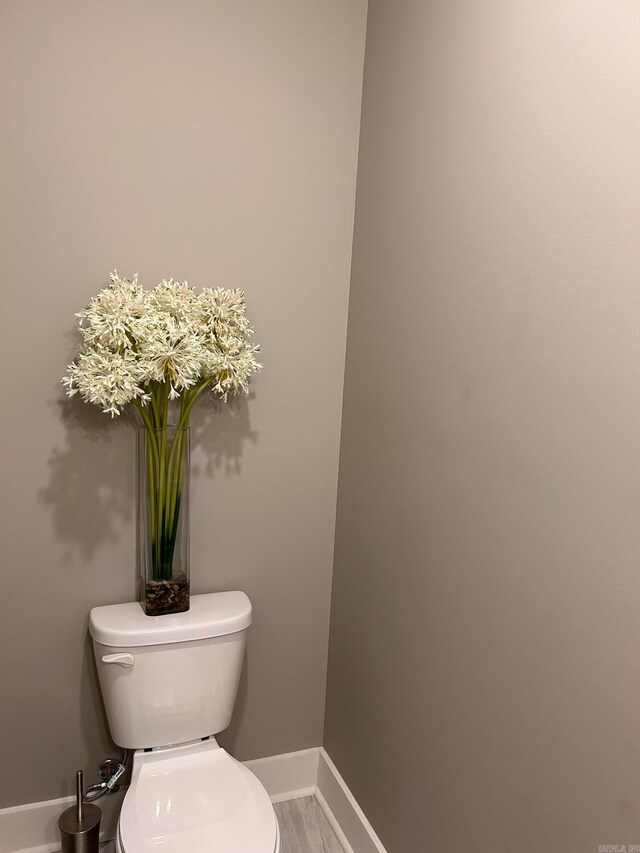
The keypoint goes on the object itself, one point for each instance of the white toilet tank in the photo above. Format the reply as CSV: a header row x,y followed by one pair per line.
x,y
174,678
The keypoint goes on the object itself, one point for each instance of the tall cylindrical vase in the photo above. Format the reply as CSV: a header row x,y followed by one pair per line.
x,y
163,520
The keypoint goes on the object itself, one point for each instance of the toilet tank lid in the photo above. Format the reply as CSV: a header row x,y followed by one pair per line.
x,y
211,615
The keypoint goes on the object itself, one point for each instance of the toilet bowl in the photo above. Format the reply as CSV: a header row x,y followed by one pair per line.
x,y
169,684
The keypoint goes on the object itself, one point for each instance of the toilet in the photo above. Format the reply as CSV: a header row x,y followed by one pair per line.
x,y
169,685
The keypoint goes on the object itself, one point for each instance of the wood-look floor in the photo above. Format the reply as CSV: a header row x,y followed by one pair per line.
x,y
303,829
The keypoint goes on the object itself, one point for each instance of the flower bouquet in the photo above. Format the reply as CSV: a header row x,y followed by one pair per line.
x,y
159,350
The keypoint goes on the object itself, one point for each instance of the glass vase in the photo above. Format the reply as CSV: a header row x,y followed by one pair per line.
x,y
163,520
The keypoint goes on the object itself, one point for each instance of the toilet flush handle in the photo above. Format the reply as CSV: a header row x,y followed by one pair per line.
x,y
125,660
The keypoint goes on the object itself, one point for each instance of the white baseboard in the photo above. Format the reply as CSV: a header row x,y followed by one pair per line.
x,y
349,822
33,828
288,776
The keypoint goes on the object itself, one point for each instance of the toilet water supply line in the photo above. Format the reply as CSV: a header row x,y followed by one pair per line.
x,y
109,770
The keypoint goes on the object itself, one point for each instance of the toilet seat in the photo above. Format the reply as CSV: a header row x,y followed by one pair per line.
x,y
195,798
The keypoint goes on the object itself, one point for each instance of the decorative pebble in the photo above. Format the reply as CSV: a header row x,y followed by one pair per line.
x,y
167,596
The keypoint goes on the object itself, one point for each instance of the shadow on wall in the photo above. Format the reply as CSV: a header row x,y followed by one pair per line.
x,y
91,486
220,431
90,489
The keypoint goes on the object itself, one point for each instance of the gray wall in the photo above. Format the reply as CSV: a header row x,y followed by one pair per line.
x,y
483,681
214,141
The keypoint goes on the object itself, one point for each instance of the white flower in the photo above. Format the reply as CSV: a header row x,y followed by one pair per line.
x,y
229,364
224,312
169,352
228,359
139,344
173,299
109,320
107,379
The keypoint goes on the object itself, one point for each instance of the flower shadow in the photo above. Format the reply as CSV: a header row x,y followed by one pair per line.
x,y
219,432
91,488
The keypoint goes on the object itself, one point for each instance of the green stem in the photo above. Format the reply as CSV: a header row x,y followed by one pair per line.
x,y
187,403
151,468
163,393
165,471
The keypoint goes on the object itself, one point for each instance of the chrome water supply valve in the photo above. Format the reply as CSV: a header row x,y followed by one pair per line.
x,y
110,771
